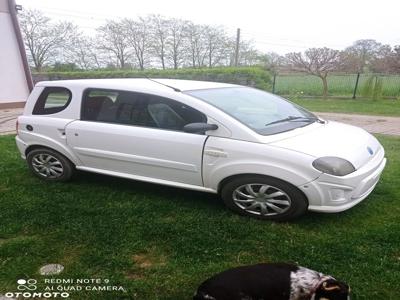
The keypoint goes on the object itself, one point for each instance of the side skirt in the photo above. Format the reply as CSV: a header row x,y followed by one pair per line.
x,y
148,179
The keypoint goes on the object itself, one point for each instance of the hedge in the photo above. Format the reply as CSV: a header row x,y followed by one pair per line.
x,y
250,76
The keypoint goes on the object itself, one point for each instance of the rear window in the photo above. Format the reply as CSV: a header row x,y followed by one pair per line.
x,y
52,100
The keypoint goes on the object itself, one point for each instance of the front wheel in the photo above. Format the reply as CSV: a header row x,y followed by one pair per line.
x,y
264,197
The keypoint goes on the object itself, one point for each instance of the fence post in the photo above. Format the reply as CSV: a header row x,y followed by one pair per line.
x,y
273,84
356,86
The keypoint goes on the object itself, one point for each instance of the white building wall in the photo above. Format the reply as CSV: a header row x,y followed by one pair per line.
x,y
13,84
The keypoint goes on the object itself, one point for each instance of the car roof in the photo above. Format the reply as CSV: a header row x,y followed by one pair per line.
x,y
140,83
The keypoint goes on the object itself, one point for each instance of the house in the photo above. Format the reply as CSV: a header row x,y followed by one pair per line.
x,y
15,77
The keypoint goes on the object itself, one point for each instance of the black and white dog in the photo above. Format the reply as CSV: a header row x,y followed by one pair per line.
x,y
274,281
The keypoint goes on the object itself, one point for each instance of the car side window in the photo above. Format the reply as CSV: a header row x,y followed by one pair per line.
x,y
52,100
138,109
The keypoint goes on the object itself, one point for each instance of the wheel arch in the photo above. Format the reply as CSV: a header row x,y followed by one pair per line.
x,y
39,146
232,177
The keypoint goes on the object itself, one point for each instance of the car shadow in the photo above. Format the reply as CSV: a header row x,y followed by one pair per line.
x,y
146,188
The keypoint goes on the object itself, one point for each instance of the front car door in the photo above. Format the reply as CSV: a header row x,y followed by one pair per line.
x,y
137,134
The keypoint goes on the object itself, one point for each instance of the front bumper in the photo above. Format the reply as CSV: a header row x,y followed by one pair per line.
x,y
332,194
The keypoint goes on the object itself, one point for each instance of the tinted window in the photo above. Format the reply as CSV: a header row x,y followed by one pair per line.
x,y
52,100
137,109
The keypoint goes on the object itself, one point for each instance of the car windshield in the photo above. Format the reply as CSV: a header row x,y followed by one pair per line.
x,y
263,112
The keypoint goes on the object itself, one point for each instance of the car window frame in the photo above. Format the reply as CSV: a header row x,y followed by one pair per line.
x,y
39,108
86,91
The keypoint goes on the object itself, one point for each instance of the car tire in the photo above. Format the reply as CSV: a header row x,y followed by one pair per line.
x,y
50,165
264,197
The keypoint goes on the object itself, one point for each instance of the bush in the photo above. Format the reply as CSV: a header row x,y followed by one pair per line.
x,y
250,76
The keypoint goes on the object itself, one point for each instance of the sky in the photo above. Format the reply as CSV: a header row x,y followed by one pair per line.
x,y
281,26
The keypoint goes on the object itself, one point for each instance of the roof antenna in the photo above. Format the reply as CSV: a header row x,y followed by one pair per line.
x,y
171,87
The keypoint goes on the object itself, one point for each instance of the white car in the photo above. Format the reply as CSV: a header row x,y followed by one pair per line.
x,y
267,157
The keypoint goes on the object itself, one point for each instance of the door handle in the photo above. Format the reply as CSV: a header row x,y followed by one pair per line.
x,y
215,153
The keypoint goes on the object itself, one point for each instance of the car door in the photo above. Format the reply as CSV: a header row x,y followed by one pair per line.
x,y
137,134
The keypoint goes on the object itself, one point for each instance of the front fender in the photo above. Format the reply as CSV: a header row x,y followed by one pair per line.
x,y
288,174
224,158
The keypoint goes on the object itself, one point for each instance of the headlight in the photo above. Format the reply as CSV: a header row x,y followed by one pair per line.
x,y
333,165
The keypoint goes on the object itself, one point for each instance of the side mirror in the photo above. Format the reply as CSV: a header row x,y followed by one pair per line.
x,y
199,127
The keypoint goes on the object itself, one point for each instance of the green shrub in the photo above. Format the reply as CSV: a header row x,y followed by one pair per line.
x,y
250,76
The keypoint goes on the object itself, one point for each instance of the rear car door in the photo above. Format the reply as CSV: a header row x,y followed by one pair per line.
x,y
138,134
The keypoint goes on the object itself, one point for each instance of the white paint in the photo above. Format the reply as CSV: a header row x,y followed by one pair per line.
x,y
13,86
182,159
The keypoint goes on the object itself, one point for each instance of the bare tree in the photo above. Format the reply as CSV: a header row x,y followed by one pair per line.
x,y
216,41
112,38
196,48
138,36
43,39
360,56
175,42
159,36
315,61
272,61
82,51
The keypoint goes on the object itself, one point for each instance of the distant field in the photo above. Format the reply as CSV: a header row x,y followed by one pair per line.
x,y
383,107
338,85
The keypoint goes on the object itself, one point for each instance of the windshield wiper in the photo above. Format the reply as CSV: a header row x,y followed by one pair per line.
x,y
294,119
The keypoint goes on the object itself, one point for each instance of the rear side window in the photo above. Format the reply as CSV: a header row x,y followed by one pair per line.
x,y
137,109
52,100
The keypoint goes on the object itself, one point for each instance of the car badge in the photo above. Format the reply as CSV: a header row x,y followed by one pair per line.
x,y
370,151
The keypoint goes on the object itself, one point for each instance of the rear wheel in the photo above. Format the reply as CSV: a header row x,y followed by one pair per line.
x,y
264,197
50,165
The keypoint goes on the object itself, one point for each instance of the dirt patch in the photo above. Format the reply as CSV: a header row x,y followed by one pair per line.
x,y
145,261
149,259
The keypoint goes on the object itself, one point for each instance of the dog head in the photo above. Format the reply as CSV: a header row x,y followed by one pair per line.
x,y
332,289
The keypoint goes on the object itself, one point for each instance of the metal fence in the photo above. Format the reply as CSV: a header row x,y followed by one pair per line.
x,y
339,85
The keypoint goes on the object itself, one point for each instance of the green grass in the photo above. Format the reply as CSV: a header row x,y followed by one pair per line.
x,y
161,242
338,84
365,107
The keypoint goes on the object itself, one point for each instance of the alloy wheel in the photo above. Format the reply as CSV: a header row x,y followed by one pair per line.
x,y
261,199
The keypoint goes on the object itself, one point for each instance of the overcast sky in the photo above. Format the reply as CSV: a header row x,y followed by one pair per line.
x,y
281,25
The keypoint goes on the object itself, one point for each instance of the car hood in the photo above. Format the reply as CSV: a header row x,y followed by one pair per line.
x,y
334,139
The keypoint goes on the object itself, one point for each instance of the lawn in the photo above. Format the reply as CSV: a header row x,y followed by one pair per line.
x,y
382,107
160,242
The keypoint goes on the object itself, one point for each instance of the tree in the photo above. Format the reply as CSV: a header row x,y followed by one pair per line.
x,y
138,37
112,38
216,42
359,56
44,40
315,61
175,42
159,35
84,53
271,61
196,48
